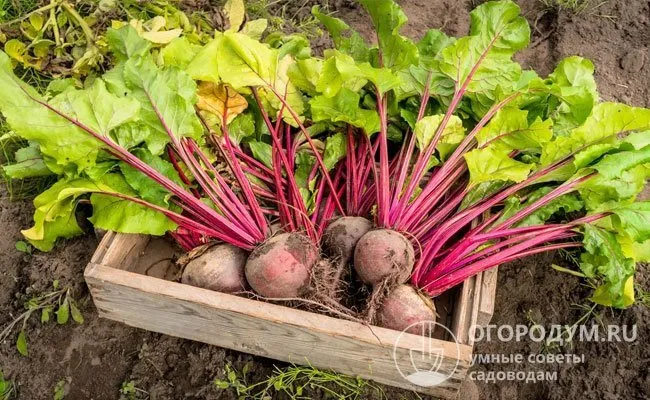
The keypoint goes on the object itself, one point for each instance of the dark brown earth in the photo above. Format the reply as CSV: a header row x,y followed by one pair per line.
x,y
95,358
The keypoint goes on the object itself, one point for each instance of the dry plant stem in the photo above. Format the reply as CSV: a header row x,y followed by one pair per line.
x,y
90,36
55,27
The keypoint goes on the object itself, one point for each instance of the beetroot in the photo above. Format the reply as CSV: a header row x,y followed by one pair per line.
x,y
219,268
341,236
405,306
281,267
383,254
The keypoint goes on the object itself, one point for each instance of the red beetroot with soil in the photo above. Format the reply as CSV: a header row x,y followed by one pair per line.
x,y
384,254
219,268
341,236
281,267
405,308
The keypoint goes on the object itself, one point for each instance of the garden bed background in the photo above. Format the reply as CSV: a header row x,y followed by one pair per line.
x,y
95,358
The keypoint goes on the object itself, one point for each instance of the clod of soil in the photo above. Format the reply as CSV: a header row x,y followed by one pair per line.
x,y
634,60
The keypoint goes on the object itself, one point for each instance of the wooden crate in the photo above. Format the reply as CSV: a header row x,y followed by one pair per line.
x,y
123,290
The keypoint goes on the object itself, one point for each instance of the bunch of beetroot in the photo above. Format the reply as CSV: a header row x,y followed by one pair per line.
x,y
403,168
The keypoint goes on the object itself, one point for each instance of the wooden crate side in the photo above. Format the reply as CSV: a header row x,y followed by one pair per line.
x,y
271,330
120,250
464,315
103,246
488,296
474,304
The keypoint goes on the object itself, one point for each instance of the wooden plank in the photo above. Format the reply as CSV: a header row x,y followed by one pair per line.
x,y
120,251
464,310
468,336
273,331
103,247
488,296
488,292
474,303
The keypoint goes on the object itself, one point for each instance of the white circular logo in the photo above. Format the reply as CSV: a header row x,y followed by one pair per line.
x,y
426,367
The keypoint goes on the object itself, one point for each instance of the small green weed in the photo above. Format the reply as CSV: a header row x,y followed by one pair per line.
x,y
570,255
58,302
570,5
576,6
296,382
564,340
59,390
129,391
7,387
24,247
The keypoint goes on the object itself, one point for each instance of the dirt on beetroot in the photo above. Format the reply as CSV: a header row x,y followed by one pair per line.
x,y
95,358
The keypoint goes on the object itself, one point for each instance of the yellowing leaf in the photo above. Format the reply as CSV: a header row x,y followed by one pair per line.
x,y
138,24
37,21
118,24
640,252
41,48
221,100
151,30
602,296
162,37
15,49
156,23
236,13
255,28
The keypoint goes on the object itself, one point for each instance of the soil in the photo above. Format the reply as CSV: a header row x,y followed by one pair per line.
x,y
95,358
